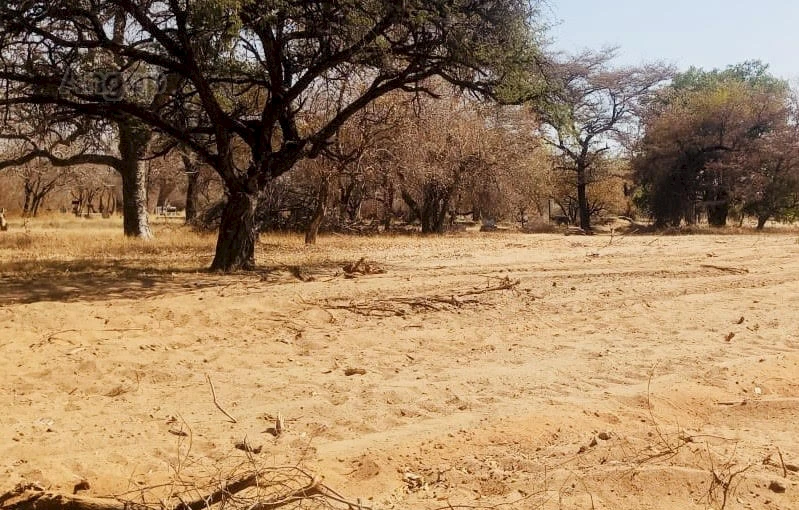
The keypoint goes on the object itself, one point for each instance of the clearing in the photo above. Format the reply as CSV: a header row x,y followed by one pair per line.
x,y
650,372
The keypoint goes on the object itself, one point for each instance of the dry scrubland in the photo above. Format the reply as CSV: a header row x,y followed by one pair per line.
x,y
650,372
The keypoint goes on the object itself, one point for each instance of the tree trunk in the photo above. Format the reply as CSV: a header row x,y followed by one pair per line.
x,y
691,217
388,207
761,221
717,214
135,220
235,247
77,204
414,211
26,208
133,142
434,208
319,213
36,205
192,188
582,201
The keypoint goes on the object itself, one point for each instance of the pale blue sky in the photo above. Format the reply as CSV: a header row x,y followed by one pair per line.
x,y
705,33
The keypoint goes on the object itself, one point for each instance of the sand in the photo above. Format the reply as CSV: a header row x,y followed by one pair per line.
x,y
646,373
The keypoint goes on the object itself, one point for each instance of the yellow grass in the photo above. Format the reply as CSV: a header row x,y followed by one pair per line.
x,y
77,244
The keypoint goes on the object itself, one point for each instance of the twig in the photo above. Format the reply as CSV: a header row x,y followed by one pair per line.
x,y
782,461
55,335
506,284
732,402
620,236
213,394
652,414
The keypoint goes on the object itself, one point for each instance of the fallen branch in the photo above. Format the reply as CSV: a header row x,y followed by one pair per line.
x,y
33,497
35,500
733,270
397,306
213,395
55,335
782,461
363,267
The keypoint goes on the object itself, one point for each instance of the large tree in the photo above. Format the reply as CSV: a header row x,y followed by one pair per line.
x,y
63,140
709,141
590,106
240,72
769,177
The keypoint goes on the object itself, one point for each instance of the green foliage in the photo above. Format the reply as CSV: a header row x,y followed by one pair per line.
x,y
701,138
752,73
214,27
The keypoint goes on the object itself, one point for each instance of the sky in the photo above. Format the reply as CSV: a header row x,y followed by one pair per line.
x,y
703,33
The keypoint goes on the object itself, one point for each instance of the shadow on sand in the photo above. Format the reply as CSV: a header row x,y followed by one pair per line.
x,y
92,280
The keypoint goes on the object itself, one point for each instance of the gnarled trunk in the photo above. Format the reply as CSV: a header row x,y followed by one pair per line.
x,y
38,200
235,247
133,141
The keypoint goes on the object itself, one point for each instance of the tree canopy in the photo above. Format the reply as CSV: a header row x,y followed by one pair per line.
x,y
589,105
698,151
236,78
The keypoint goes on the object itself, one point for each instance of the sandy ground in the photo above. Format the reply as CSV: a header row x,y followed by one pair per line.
x,y
650,373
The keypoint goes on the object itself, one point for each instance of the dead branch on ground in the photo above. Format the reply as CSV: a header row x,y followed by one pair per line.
x,y
258,489
724,480
213,395
400,305
732,270
362,267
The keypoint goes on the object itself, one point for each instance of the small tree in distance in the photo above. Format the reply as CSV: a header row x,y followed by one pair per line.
x,y
591,105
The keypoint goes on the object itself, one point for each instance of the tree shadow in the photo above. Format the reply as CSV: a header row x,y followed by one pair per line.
x,y
92,280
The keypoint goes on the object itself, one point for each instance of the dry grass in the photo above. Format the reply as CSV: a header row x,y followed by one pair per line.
x,y
59,243
77,244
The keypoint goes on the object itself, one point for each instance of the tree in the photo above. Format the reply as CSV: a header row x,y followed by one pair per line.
x,y
338,174
93,190
85,144
50,72
451,157
249,67
699,135
769,176
591,105
38,182
752,73
605,191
